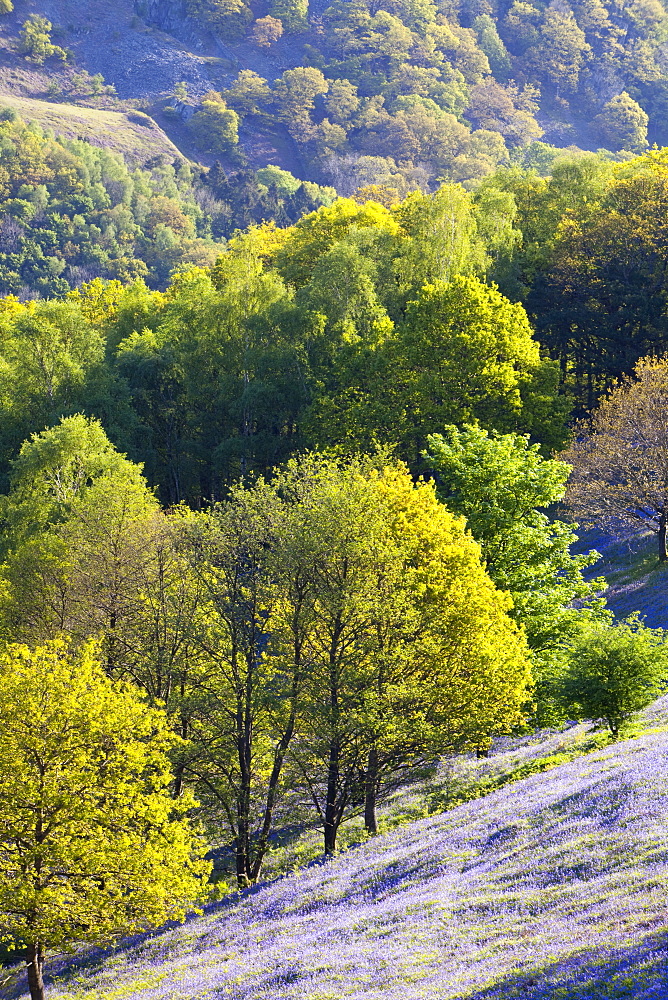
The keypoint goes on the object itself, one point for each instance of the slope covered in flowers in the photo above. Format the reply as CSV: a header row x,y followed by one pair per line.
x,y
553,887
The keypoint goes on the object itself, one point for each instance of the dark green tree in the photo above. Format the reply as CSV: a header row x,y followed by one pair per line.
x,y
622,124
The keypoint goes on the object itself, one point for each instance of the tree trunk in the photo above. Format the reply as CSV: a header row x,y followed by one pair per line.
x,y
331,817
279,758
370,786
35,969
662,538
244,737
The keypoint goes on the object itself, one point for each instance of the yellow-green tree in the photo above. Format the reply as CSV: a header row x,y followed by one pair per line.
x,y
295,94
266,31
55,468
462,352
348,629
90,552
440,238
36,42
92,844
245,702
315,234
293,14
215,126
406,646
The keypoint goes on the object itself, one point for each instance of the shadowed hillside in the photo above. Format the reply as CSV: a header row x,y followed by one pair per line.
x,y
637,581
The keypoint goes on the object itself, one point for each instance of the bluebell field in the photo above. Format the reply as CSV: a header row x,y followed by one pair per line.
x,y
554,888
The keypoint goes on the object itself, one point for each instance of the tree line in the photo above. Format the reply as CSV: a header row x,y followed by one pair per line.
x,y
309,639
316,634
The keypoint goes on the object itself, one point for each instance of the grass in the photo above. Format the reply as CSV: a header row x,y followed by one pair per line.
x,y
133,134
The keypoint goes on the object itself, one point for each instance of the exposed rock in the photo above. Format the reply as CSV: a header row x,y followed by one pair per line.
x,y
168,15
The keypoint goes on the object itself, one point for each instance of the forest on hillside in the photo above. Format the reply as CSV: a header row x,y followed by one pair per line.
x,y
206,360
415,91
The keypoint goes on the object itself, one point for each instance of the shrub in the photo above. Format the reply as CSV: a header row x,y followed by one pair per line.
x,y
36,44
615,671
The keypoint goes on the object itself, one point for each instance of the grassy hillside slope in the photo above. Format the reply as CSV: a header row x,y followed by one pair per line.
x,y
133,134
552,887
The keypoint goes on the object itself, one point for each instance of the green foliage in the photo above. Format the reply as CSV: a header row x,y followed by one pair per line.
x,y
505,110
376,583
93,845
562,50
248,95
470,352
55,468
228,17
293,14
321,333
503,487
623,124
36,42
6,6
215,126
295,93
493,47
595,243
616,671
72,212
434,89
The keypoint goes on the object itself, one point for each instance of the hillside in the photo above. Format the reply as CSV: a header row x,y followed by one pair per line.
x,y
553,887
132,134
353,94
635,577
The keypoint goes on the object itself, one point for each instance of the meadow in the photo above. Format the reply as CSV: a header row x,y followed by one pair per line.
x,y
552,887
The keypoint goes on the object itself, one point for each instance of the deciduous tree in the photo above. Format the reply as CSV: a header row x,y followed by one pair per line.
x,y
505,489
293,14
401,633
266,31
616,671
36,42
562,50
623,124
92,844
620,456
215,125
